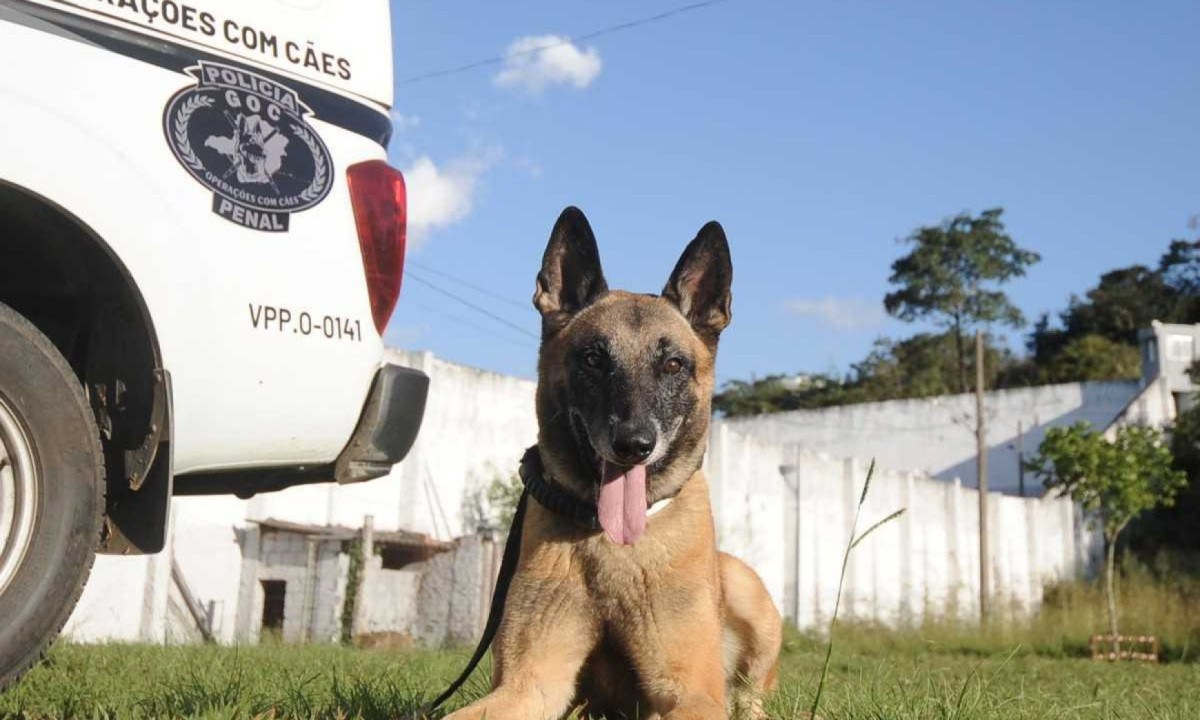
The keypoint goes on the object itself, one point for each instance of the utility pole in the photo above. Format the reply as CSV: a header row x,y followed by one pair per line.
x,y
981,471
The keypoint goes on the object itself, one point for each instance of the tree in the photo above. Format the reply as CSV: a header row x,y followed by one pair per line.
x,y
1097,335
1092,357
1180,266
779,393
1115,481
923,365
1176,528
491,506
951,274
1125,301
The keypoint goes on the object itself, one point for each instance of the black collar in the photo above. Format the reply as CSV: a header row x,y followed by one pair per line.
x,y
558,499
553,496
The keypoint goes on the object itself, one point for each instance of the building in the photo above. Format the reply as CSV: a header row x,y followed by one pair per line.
x,y
317,583
1168,351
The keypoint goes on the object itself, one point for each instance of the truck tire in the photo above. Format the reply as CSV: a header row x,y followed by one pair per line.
x,y
51,493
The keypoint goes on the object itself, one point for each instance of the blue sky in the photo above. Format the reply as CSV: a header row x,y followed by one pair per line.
x,y
818,133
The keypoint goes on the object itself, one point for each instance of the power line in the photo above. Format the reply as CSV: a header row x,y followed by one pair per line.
x,y
468,323
473,306
578,38
468,284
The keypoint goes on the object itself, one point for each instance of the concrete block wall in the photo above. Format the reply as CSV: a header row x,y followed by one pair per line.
x,y
329,593
284,556
314,594
936,435
451,596
788,512
389,598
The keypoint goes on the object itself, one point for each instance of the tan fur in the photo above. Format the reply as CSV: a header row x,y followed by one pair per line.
x,y
665,628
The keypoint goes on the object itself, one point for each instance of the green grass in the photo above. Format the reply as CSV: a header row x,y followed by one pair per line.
x,y
938,672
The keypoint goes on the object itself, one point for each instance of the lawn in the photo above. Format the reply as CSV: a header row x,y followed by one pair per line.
x,y
874,675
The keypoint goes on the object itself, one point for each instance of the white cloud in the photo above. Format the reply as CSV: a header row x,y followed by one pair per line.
x,y
441,196
536,62
402,122
839,313
529,166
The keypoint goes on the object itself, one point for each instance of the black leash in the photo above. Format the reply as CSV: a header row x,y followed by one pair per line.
x,y
557,500
508,568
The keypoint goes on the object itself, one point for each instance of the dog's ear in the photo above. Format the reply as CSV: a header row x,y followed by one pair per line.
x,y
571,278
700,284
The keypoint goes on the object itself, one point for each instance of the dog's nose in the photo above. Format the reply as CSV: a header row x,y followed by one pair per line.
x,y
633,442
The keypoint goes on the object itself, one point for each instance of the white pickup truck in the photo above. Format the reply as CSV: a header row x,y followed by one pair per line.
x,y
200,246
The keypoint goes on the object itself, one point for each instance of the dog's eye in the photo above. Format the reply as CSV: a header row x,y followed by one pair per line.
x,y
672,366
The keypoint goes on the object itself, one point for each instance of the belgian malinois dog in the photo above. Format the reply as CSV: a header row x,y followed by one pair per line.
x,y
635,614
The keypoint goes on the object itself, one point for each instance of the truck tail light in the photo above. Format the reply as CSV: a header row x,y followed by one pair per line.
x,y
380,214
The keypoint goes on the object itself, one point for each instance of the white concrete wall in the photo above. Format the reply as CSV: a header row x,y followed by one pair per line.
x,y
937,435
388,598
451,602
208,553
788,512
442,601
745,486
478,424
1154,405
125,600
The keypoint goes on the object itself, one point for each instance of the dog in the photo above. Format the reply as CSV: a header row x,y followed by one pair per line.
x,y
635,615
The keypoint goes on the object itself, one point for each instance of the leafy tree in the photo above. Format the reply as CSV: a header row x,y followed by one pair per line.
x,y
1092,357
1045,340
1180,525
1116,481
923,365
503,494
779,393
492,506
1125,301
1176,528
1180,267
951,274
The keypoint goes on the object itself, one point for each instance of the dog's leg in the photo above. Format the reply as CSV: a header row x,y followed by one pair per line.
x,y
538,686
678,659
547,633
690,693
753,633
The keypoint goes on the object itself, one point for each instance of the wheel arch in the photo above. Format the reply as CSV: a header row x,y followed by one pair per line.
x,y
67,280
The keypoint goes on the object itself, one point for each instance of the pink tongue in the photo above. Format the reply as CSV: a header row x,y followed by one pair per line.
x,y
622,504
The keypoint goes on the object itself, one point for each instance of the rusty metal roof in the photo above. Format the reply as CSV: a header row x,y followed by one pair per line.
x,y
341,532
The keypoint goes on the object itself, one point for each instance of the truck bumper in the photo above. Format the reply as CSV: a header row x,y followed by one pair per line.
x,y
388,426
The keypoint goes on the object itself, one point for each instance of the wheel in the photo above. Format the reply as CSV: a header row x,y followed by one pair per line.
x,y
51,493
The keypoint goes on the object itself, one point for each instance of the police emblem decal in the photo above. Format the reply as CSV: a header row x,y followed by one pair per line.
x,y
245,137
